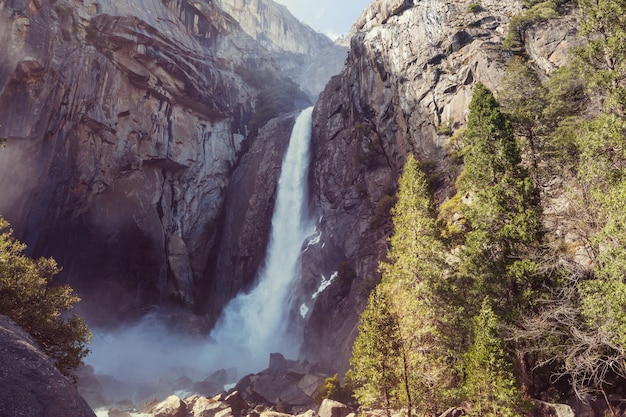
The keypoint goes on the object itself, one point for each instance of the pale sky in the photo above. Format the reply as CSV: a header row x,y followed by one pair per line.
x,y
331,17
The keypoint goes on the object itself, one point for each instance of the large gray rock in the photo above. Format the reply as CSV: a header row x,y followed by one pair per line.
x,y
30,385
544,409
286,384
172,406
332,408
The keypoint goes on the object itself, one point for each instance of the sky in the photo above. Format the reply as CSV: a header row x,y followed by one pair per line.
x,y
331,17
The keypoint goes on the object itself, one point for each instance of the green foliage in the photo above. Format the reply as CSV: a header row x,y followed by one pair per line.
x,y
523,98
382,211
417,359
474,8
489,380
504,211
454,295
375,354
332,389
604,26
539,12
28,298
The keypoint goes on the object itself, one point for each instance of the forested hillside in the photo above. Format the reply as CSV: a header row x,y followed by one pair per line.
x,y
514,288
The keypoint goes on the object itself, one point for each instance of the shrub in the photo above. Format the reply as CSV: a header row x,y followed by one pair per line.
x,y
474,8
539,12
28,298
382,211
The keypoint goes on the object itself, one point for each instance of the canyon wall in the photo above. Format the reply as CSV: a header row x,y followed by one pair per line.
x,y
306,56
125,121
406,86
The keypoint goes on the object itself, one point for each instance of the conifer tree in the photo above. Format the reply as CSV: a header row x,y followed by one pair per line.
x,y
503,211
489,380
28,297
523,97
421,355
375,355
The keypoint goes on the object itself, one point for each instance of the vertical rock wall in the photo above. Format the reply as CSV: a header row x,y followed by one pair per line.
x,y
124,122
408,81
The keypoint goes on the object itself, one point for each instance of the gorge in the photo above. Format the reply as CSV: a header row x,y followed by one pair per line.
x,y
144,148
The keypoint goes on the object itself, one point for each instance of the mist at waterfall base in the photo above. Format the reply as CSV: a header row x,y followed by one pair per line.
x,y
253,324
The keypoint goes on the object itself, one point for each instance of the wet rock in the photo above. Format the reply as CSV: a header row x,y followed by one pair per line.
x,y
236,402
204,407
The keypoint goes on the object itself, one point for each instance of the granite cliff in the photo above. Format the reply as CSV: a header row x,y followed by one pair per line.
x,y
130,157
124,122
306,56
406,84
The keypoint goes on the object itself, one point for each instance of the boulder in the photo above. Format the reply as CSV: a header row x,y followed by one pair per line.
x,y
236,402
308,413
544,409
332,408
225,412
270,413
205,407
30,384
172,406
288,385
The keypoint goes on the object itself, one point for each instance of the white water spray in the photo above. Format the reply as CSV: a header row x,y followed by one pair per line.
x,y
255,323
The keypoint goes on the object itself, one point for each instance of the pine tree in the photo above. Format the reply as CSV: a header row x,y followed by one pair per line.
x,y
421,356
503,211
489,380
413,271
375,355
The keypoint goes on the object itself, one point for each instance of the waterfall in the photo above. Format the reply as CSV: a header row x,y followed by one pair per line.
x,y
255,323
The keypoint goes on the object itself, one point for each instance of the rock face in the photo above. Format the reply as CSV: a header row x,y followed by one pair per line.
x,y
246,223
30,385
308,57
409,76
124,123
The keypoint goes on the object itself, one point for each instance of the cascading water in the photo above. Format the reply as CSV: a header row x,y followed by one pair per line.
x,y
254,324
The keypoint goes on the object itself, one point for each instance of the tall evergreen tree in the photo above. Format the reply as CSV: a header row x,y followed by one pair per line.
x,y
375,355
489,381
503,210
421,358
414,269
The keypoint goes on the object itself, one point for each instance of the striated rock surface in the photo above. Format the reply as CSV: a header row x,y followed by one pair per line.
x,y
30,385
408,80
307,56
124,122
248,209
